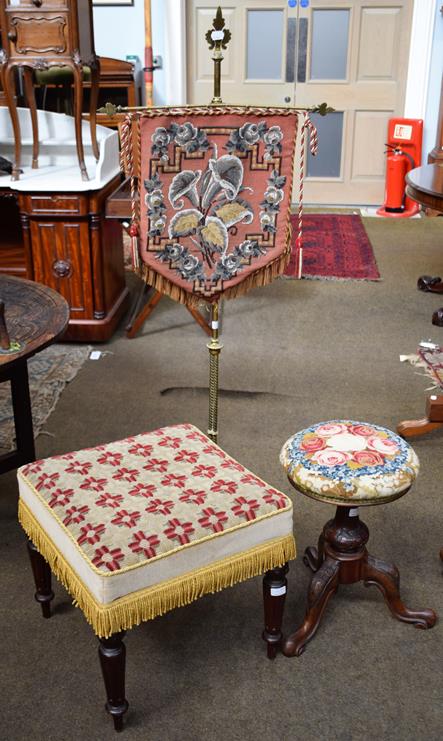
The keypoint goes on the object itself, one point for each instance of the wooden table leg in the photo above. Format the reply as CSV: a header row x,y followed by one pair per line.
x,y
30,97
9,86
143,315
21,404
78,106
95,80
432,421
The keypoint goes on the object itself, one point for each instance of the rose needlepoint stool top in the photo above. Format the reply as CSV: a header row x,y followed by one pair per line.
x,y
137,527
349,463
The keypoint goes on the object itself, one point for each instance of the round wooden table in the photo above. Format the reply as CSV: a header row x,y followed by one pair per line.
x,y
35,317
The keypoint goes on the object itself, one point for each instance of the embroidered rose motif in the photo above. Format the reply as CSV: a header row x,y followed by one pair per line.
x,y
110,559
313,443
364,430
382,445
330,457
145,544
327,430
250,133
368,458
273,136
213,520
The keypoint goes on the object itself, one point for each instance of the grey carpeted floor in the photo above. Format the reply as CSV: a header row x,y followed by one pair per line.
x,y
295,353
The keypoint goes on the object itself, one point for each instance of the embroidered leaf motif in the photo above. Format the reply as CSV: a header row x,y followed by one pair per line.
x,y
185,222
215,234
233,212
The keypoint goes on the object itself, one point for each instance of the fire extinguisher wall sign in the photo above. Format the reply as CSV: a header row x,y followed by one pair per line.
x,y
403,153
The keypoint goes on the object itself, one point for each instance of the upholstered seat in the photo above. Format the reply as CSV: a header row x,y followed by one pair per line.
x,y
349,463
138,527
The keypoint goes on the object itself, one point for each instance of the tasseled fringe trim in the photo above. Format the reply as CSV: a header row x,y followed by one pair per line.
x,y
261,277
149,603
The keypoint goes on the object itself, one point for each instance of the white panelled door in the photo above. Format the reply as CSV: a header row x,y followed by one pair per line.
x,y
353,55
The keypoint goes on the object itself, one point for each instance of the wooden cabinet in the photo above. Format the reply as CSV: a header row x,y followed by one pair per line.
x,y
40,34
68,244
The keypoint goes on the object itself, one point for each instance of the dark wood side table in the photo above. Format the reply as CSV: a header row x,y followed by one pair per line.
x,y
425,185
35,317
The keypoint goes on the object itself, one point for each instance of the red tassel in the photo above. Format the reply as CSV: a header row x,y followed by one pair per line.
x,y
134,247
298,256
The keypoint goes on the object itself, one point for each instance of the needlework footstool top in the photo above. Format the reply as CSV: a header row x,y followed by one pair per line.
x,y
349,463
137,527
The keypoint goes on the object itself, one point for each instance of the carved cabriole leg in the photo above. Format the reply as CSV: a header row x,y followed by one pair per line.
x,y
112,654
42,578
95,80
78,105
9,86
386,577
274,595
314,557
30,97
323,586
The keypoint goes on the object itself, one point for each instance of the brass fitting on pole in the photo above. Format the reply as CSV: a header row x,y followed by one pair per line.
x,y
218,38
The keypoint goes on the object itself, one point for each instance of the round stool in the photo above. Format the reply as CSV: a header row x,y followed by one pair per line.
x,y
349,464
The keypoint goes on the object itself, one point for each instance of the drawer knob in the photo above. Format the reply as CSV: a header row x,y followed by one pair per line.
x,y
37,3
62,268
12,35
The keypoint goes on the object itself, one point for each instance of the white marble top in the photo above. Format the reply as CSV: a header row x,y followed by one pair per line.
x,y
58,164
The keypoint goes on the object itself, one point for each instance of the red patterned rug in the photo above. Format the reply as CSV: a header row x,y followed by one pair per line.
x,y
334,246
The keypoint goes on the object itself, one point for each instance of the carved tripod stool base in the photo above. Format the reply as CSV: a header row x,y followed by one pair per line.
x,y
342,558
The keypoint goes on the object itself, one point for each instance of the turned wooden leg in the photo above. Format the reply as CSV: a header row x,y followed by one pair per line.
x,y
30,97
95,80
323,586
42,578
386,577
314,557
78,105
274,595
9,88
112,654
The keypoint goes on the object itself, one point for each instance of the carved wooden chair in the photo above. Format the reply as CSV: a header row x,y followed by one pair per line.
x,y
147,524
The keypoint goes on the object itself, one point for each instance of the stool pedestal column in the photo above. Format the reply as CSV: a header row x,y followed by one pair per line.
x,y
342,558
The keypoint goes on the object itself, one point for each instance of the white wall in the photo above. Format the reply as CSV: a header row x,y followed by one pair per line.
x,y
119,31
434,86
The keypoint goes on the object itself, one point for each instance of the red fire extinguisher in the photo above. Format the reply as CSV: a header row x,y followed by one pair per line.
x,y
398,163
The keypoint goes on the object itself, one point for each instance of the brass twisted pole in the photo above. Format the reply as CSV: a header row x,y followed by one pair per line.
x,y
214,346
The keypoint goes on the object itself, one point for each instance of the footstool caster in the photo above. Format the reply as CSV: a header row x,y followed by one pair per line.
x,y
349,464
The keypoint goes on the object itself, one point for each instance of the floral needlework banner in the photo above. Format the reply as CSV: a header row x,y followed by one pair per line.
x,y
215,191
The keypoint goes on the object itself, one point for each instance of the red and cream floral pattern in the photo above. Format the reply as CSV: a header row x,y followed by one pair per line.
x,y
127,502
347,460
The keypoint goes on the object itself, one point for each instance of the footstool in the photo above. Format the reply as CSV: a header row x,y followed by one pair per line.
x,y
141,526
349,464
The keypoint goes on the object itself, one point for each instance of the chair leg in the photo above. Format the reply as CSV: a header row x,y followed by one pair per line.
x,y
274,595
42,578
112,654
